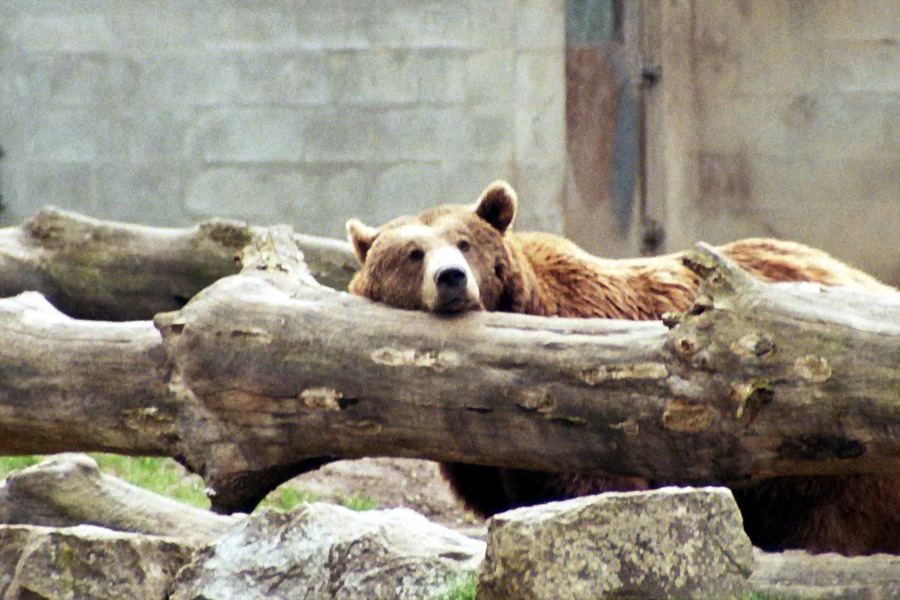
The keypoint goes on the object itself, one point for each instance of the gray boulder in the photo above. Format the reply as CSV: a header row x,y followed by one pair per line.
x,y
326,552
667,543
84,562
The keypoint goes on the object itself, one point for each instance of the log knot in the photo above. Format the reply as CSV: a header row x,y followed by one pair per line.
x,y
672,319
754,345
684,346
644,370
47,224
226,232
814,369
629,427
689,351
687,416
410,357
323,398
359,428
537,400
750,397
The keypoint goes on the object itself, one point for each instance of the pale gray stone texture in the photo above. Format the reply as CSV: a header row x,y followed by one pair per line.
x,y
674,543
327,552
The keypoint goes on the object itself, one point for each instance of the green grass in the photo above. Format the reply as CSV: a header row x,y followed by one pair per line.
x,y
359,503
8,464
161,475
286,498
462,589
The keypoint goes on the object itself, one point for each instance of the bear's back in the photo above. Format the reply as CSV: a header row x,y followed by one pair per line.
x,y
570,282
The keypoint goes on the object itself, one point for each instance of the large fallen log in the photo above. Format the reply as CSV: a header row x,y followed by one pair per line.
x,y
266,374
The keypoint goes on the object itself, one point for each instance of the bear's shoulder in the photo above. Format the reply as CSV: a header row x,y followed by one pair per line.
x,y
567,281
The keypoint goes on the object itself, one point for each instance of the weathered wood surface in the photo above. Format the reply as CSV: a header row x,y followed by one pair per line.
x,y
266,374
68,490
96,269
796,574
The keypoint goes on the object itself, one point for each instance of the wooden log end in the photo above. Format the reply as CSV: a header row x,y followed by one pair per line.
x,y
721,277
274,250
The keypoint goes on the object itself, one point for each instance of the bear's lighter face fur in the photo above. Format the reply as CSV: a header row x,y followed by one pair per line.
x,y
449,259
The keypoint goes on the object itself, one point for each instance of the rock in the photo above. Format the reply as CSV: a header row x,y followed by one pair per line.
x,y
797,574
43,563
326,552
69,489
12,542
391,483
667,543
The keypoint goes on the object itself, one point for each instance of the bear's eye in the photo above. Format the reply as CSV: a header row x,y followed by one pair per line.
x,y
498,270
416,255
463,245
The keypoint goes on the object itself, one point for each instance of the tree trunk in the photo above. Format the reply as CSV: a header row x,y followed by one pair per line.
x,y
266,374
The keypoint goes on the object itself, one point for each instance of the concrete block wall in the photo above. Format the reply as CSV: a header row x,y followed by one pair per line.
x,y
296,111
798,126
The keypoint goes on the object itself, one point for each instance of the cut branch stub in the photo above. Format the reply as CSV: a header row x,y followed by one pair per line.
x,y
68,490
721,276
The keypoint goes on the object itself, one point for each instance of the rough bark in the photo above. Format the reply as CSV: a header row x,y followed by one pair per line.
x,y
266,374
95,269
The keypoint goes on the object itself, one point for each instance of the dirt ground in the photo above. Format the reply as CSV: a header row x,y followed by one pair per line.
x,y
392,482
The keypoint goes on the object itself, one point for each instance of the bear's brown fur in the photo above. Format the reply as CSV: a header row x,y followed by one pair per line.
x,y
459,258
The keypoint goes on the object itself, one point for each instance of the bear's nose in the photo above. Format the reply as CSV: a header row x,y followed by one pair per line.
x,y
450,278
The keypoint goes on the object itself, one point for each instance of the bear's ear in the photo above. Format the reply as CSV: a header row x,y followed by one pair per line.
x,y
360,237
497,205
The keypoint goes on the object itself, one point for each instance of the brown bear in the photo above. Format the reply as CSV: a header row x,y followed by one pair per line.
x,y
454,258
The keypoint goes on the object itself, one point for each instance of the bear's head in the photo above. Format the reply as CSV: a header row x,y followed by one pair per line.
x,y
448,259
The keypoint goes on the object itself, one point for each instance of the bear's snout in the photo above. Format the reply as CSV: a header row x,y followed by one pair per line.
x,y
450,279
452,289
449,286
